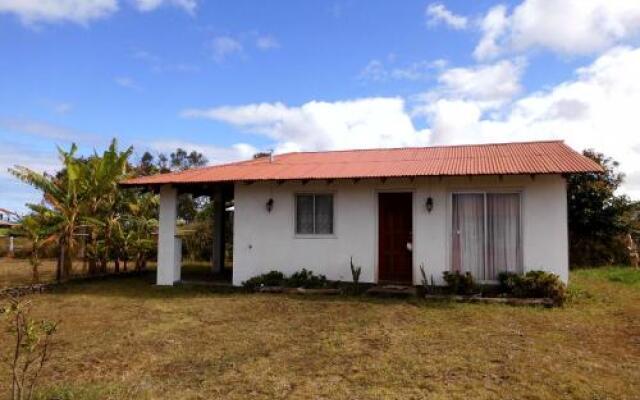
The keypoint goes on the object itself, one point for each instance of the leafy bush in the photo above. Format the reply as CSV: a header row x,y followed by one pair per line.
x,y
458,283
534,284
507,281
31,347
271,278
306,279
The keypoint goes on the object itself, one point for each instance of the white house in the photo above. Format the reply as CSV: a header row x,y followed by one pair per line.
x,y
478,208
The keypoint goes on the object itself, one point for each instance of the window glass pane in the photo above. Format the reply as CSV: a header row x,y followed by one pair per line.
x,y
324,214
304,213
468,234
504,247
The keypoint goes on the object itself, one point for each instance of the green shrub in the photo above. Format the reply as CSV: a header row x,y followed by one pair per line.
x,y
271,278
306,279
534,284
507,281
458,283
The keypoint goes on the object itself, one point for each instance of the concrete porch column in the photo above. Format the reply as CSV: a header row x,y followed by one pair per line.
x,y
169,247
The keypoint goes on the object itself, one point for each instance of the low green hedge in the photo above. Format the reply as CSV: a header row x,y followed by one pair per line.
x,y
303,278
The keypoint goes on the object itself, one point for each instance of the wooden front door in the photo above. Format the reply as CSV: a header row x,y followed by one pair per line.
x,y
395,243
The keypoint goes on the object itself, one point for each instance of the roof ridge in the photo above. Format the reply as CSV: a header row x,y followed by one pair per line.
x,y
424,147
200,168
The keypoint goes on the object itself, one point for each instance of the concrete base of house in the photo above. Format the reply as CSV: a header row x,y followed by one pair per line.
x,y
514,301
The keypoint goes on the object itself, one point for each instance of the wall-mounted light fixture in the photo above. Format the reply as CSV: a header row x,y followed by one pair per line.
x,y
429,204
269,205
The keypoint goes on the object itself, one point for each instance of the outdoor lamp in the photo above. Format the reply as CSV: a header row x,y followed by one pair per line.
x,y
429,204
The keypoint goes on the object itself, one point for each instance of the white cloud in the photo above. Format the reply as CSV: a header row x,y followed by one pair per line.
x,y
493,25
215,154
42,129
317,125
567,27
62,108
33,12
597,109
491,82
267,43
126,82
14,192
377,71
224,46
374,71
151,5
77,11
158,65
437,12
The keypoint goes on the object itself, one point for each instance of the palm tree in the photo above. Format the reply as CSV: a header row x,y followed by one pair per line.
x,y
61,195
141,224
103,201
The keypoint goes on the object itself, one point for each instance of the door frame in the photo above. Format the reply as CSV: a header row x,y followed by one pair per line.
x,y
376,197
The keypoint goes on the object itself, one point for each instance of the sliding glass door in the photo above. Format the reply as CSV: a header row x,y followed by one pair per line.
x,y
486,234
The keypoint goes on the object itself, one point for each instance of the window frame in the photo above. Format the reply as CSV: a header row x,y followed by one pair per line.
x,y
295,215
484,193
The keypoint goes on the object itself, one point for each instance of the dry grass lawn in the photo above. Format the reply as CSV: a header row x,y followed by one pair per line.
x,y
124,338
17,272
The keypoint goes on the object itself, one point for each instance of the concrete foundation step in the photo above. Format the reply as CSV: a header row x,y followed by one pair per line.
x,y
392,290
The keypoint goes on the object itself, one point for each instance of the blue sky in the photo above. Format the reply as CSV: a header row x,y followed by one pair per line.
x,y
232,78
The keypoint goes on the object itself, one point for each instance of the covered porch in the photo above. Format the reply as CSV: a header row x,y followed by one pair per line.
x,y
170,243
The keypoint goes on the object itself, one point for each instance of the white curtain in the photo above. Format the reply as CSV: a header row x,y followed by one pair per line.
x,y
504,244
324,214
468,234
304,214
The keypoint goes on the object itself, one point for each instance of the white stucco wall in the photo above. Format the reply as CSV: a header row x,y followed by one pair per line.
x,y
266,241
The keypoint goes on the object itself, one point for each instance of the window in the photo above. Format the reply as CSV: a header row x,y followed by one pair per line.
x,y
314,214
486,238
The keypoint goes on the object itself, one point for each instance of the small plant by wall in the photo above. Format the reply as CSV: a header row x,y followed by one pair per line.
x,y
356,271
306,279
302,279
428,285
271,278
458,283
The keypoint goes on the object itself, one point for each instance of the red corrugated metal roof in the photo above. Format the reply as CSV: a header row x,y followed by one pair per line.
x,y
550,157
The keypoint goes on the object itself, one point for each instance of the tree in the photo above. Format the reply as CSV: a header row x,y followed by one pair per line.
x,y
100,175
138,226
62,196
597,216
31,350
146,166
37,229
181,160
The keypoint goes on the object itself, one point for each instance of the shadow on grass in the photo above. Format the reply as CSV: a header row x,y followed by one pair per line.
x,y
143,287
135,286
